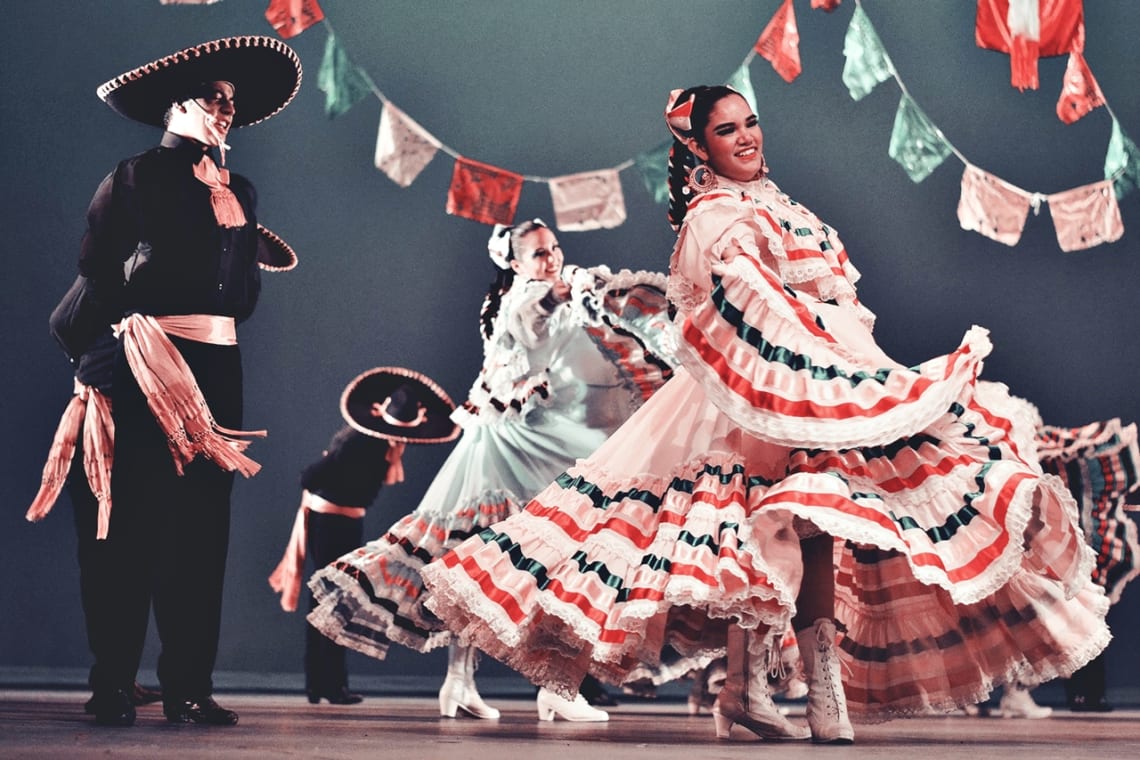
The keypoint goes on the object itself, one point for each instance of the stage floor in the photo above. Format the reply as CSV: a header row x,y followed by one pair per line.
x,y
42,723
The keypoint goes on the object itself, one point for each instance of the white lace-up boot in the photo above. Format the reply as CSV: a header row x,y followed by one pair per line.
x,y
1017,702
827,703
578,709
745,698
459,692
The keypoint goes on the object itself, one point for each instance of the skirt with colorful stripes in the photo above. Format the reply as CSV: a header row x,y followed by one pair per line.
x,y
959,564
374,596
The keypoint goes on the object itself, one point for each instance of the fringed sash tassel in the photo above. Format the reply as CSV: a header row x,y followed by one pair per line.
x,y
174,396
92,410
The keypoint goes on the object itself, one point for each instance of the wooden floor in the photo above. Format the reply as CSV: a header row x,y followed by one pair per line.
x,y
50,724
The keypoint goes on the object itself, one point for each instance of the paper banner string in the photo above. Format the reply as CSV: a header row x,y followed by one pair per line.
x,y
919,146
404,148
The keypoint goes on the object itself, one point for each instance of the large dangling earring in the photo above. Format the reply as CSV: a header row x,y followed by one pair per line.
x,y
701,179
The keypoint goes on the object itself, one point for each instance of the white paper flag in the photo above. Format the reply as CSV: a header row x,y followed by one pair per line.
x,y
588,201
403,147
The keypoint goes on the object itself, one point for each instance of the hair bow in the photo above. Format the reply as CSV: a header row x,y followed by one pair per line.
x,y
499,246
677,114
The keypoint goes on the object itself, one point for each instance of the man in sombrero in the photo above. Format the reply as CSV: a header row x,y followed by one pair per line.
x,y
384,410
80,460
171,255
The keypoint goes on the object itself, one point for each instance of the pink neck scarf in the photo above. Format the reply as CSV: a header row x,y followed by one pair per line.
x,y
227,209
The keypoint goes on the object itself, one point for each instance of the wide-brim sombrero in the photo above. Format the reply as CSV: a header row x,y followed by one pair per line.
x,y
362,401
273,253
264,71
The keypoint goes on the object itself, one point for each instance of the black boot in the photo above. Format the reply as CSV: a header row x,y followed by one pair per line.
x,y
341,696
596,694
1085,690
205,711
112,708
140,695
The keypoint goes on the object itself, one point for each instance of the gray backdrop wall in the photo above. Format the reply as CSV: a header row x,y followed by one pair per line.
x,y
542,88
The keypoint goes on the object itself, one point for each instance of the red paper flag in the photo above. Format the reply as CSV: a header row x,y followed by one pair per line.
x,y
780,43
291,17
1080,92
483,192
1027,29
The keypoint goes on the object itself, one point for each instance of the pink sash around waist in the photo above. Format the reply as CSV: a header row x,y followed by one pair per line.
x,y
286,578
173,394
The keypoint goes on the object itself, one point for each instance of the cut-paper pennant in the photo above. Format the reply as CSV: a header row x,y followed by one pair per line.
x,y
741,81
343,84
483,193
1080,92
403,147
867,63
779,43
653,165
291,17
1086,216
1122,162
588,201
916,144
992,207
1027,30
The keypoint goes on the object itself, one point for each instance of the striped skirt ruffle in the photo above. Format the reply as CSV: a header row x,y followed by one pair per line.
x,y
1098,463
374,596
959,566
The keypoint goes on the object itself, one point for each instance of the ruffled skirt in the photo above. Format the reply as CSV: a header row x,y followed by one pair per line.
x,y
959,565
374,595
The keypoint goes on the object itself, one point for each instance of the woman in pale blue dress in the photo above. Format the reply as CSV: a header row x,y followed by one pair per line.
x,y
569,354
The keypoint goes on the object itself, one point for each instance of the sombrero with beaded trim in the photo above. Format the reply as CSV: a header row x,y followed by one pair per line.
x,y
399,404
264,71
273,253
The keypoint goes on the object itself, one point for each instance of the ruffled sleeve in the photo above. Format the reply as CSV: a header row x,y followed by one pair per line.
x,y
627,316
508,385
769,360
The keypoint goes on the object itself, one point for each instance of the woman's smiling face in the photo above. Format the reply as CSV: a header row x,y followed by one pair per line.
x,y
733,144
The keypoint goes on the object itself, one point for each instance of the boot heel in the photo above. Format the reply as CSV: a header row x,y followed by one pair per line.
x,y
723,724
448,703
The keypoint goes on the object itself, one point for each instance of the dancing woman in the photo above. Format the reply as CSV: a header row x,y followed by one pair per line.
x,y
790,471
569,354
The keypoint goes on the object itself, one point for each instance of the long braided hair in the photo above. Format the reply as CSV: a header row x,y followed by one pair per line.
x,y
681,159
504,276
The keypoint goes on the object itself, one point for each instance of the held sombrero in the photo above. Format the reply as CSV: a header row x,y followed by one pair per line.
x,y
264,71
273,253
400,405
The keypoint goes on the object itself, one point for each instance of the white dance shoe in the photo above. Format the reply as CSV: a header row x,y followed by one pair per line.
x,y
550,704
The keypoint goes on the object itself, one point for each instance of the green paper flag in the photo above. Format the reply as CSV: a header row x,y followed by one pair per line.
x,y
342,83
1124,157
654,167
867,63
915,142
741,81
